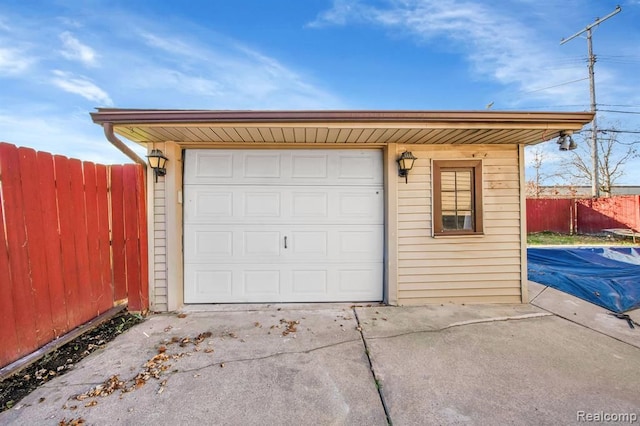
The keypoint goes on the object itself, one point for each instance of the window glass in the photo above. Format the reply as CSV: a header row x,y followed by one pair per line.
x,y
457,192
456,195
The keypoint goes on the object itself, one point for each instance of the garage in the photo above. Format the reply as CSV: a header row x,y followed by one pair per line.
x,y
283,225
315,206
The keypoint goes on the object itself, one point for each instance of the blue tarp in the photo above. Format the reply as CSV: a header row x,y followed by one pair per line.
x,y
607,277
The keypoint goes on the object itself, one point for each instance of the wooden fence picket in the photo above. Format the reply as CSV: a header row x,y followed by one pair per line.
x,y
73,241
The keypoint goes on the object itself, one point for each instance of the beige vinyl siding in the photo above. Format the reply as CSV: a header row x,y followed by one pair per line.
x,y
461,269
159,290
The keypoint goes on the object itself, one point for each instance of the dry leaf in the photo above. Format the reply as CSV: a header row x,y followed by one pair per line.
x,y
91,403
73,422
182,315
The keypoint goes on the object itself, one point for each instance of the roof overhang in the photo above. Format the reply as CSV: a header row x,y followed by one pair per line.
x,y
206,127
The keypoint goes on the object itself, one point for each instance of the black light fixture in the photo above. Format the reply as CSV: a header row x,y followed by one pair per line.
x,y
566,142
405,163
157,161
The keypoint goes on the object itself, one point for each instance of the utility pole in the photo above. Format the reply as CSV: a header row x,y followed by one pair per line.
x,y
595,184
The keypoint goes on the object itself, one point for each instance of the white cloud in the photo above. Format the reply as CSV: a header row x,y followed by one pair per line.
x,y
497,45
13,61
74,50
71,135
341,12
82,86
224,74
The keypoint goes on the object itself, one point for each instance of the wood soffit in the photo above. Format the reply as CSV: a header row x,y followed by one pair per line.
x,y
196,127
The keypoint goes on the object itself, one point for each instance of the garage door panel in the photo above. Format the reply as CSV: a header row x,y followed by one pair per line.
x,y
310,283
208,284
357,281
258,283
262,165
207,206
263,282
360,204
309,165
213,244
283,205
309,243
210,165
257,243
261,243
293,167
283,226
261,204
360,244
310,204
359,167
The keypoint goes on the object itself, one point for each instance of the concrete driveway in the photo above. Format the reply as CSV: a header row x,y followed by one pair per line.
x,y
338,364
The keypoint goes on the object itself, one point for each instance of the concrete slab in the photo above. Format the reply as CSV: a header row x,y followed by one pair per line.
x,y
390,321
539,370
534,290
307,364
587,314
247,372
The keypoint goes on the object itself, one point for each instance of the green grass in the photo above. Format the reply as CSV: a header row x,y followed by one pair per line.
x,y
552,238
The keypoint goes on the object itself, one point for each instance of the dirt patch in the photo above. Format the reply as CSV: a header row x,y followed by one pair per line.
x,y
63,359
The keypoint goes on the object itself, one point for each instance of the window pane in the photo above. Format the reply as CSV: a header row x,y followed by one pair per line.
x,y
464,200
448,201
448,180
463,180
449,221
464,220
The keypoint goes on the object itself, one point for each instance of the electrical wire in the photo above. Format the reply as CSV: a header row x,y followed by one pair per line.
x,y
558,85
621,105
619,112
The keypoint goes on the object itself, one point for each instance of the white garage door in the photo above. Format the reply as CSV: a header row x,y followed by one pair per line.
x,y
283,226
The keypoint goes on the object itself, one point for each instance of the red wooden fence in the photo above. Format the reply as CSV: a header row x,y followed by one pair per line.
x,y
604,213
73,243
583,216
550,214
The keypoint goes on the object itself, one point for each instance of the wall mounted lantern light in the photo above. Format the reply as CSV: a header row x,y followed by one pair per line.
x,y
405,163
566,142
157,161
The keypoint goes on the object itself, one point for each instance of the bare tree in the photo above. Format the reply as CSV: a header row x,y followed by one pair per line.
x,y
612,157
534,185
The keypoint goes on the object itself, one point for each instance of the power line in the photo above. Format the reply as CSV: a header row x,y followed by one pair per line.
x,y
558,85
621,105
620,131
619,112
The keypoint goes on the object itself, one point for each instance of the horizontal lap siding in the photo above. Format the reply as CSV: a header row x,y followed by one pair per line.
x,y
160,302
461,269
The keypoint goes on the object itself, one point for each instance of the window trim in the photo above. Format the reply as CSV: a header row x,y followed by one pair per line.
x,y
477,215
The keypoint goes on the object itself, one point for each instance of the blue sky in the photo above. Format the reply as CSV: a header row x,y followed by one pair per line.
x,y
60,59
